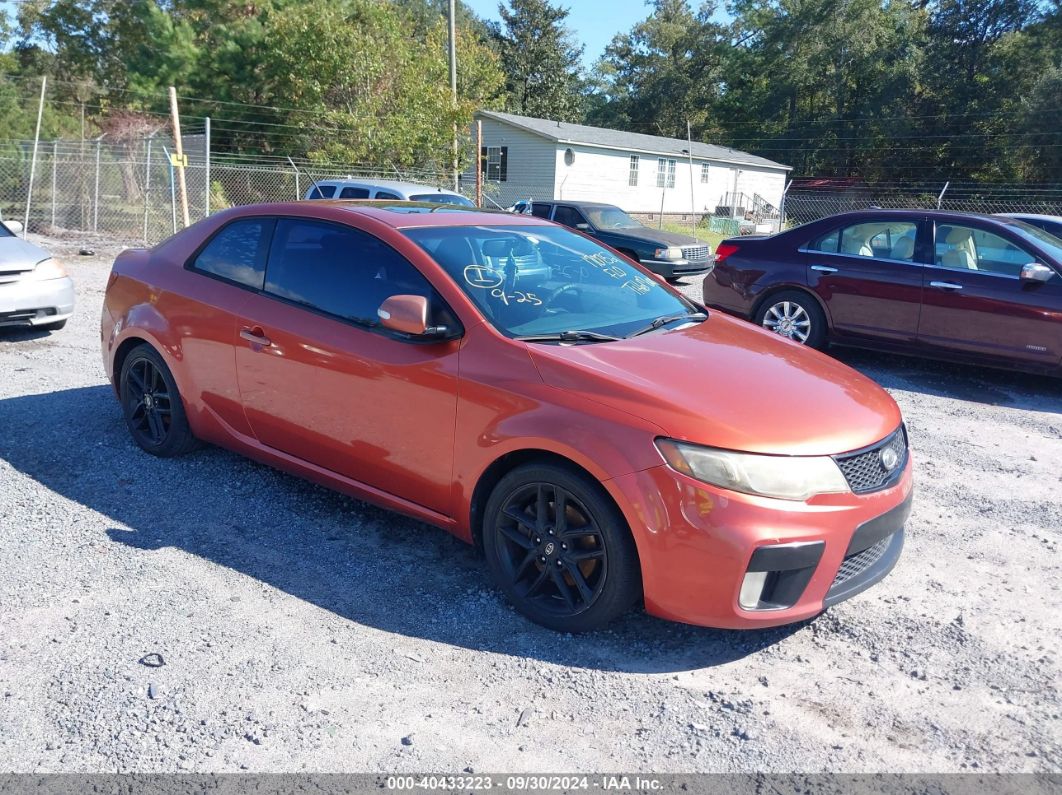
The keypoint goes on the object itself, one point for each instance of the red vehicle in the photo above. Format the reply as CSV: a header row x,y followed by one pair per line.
x,y
516,383
971,288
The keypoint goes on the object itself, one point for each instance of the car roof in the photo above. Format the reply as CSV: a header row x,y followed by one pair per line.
x,y
386,184
942,215
575,203
402,214
1036,216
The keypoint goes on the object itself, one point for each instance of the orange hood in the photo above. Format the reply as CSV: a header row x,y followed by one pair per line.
x,y
726,383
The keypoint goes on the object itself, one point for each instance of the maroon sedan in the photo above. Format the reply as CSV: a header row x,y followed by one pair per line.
x,y
947,285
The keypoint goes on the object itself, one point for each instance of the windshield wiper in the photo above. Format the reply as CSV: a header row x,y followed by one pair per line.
x,y
569,336
663,321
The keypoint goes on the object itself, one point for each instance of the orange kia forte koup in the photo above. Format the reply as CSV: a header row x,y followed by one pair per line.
x,y
603,439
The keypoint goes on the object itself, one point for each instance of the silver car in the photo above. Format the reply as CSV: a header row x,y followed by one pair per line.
x,y
34,288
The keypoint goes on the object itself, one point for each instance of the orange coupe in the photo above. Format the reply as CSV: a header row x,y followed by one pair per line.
x,y
599,436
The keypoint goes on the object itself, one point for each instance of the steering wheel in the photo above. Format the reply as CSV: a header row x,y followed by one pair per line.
x,y
558,292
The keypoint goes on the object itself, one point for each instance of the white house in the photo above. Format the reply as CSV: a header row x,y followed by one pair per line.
x,y
525,158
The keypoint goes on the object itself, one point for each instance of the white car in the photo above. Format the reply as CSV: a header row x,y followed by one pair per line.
x,y
352,188
34,289
1049,223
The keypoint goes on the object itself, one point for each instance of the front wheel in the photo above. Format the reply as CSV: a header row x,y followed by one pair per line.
x,y
560,549
794,315
152,405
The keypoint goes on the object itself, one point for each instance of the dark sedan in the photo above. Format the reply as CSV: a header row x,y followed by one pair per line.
x,y
960,286
670,254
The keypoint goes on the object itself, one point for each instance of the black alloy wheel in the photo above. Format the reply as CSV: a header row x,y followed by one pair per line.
x,y
560,549
152,405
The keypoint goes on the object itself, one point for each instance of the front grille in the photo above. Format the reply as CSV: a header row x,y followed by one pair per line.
x,y
856,564
865,471
695,253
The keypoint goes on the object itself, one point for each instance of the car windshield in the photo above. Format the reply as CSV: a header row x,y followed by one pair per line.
x,y
547,280
610,218
442,198
4,231
1044,240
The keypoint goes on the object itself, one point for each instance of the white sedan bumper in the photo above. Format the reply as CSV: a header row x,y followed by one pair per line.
x,y
35,303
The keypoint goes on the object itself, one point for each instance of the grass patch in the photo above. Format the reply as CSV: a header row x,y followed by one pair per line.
x,y
712,238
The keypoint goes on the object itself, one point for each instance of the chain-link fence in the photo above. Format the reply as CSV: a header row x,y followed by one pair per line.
x,y
129,190
804,203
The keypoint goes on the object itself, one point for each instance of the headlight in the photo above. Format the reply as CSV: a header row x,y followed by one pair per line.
x,y
49,268
784,477
671,252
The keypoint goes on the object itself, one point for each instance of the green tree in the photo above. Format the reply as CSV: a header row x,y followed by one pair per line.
x,y
362,90
664,72
979,63
541,61
341,79
1038,122
820,84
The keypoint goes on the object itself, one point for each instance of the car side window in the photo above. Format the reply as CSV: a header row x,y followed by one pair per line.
x,y
880,240
383,194
339,270
968,248
354,193
238,252
541,210
323,191
568,216
885,239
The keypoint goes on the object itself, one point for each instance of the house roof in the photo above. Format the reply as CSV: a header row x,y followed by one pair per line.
x,y
564,133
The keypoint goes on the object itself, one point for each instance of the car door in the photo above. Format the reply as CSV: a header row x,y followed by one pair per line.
x,y
571,217
220,277
322,382
869,276
976,303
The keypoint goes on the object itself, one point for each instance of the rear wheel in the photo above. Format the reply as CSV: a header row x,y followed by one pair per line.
x,y
794,315
152,405
560,549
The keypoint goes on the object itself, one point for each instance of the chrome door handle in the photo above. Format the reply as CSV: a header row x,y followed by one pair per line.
x,y
823,269
946,285
255,336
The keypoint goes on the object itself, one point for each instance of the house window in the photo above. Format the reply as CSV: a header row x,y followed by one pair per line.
x,y
495,160
665,173
704,172
632,179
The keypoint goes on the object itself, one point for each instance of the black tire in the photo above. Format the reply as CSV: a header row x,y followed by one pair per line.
x,y
152,405
52,326
531,559
801,308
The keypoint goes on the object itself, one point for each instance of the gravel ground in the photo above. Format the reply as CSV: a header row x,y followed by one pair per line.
x,y
211,614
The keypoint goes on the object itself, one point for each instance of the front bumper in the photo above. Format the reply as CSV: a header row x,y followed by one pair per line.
x,y
33,303
696,543
674,269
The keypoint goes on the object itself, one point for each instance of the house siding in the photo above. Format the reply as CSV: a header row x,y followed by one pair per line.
x,y
603,175
537,169
531,166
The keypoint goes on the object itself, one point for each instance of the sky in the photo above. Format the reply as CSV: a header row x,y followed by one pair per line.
x,y
594,22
